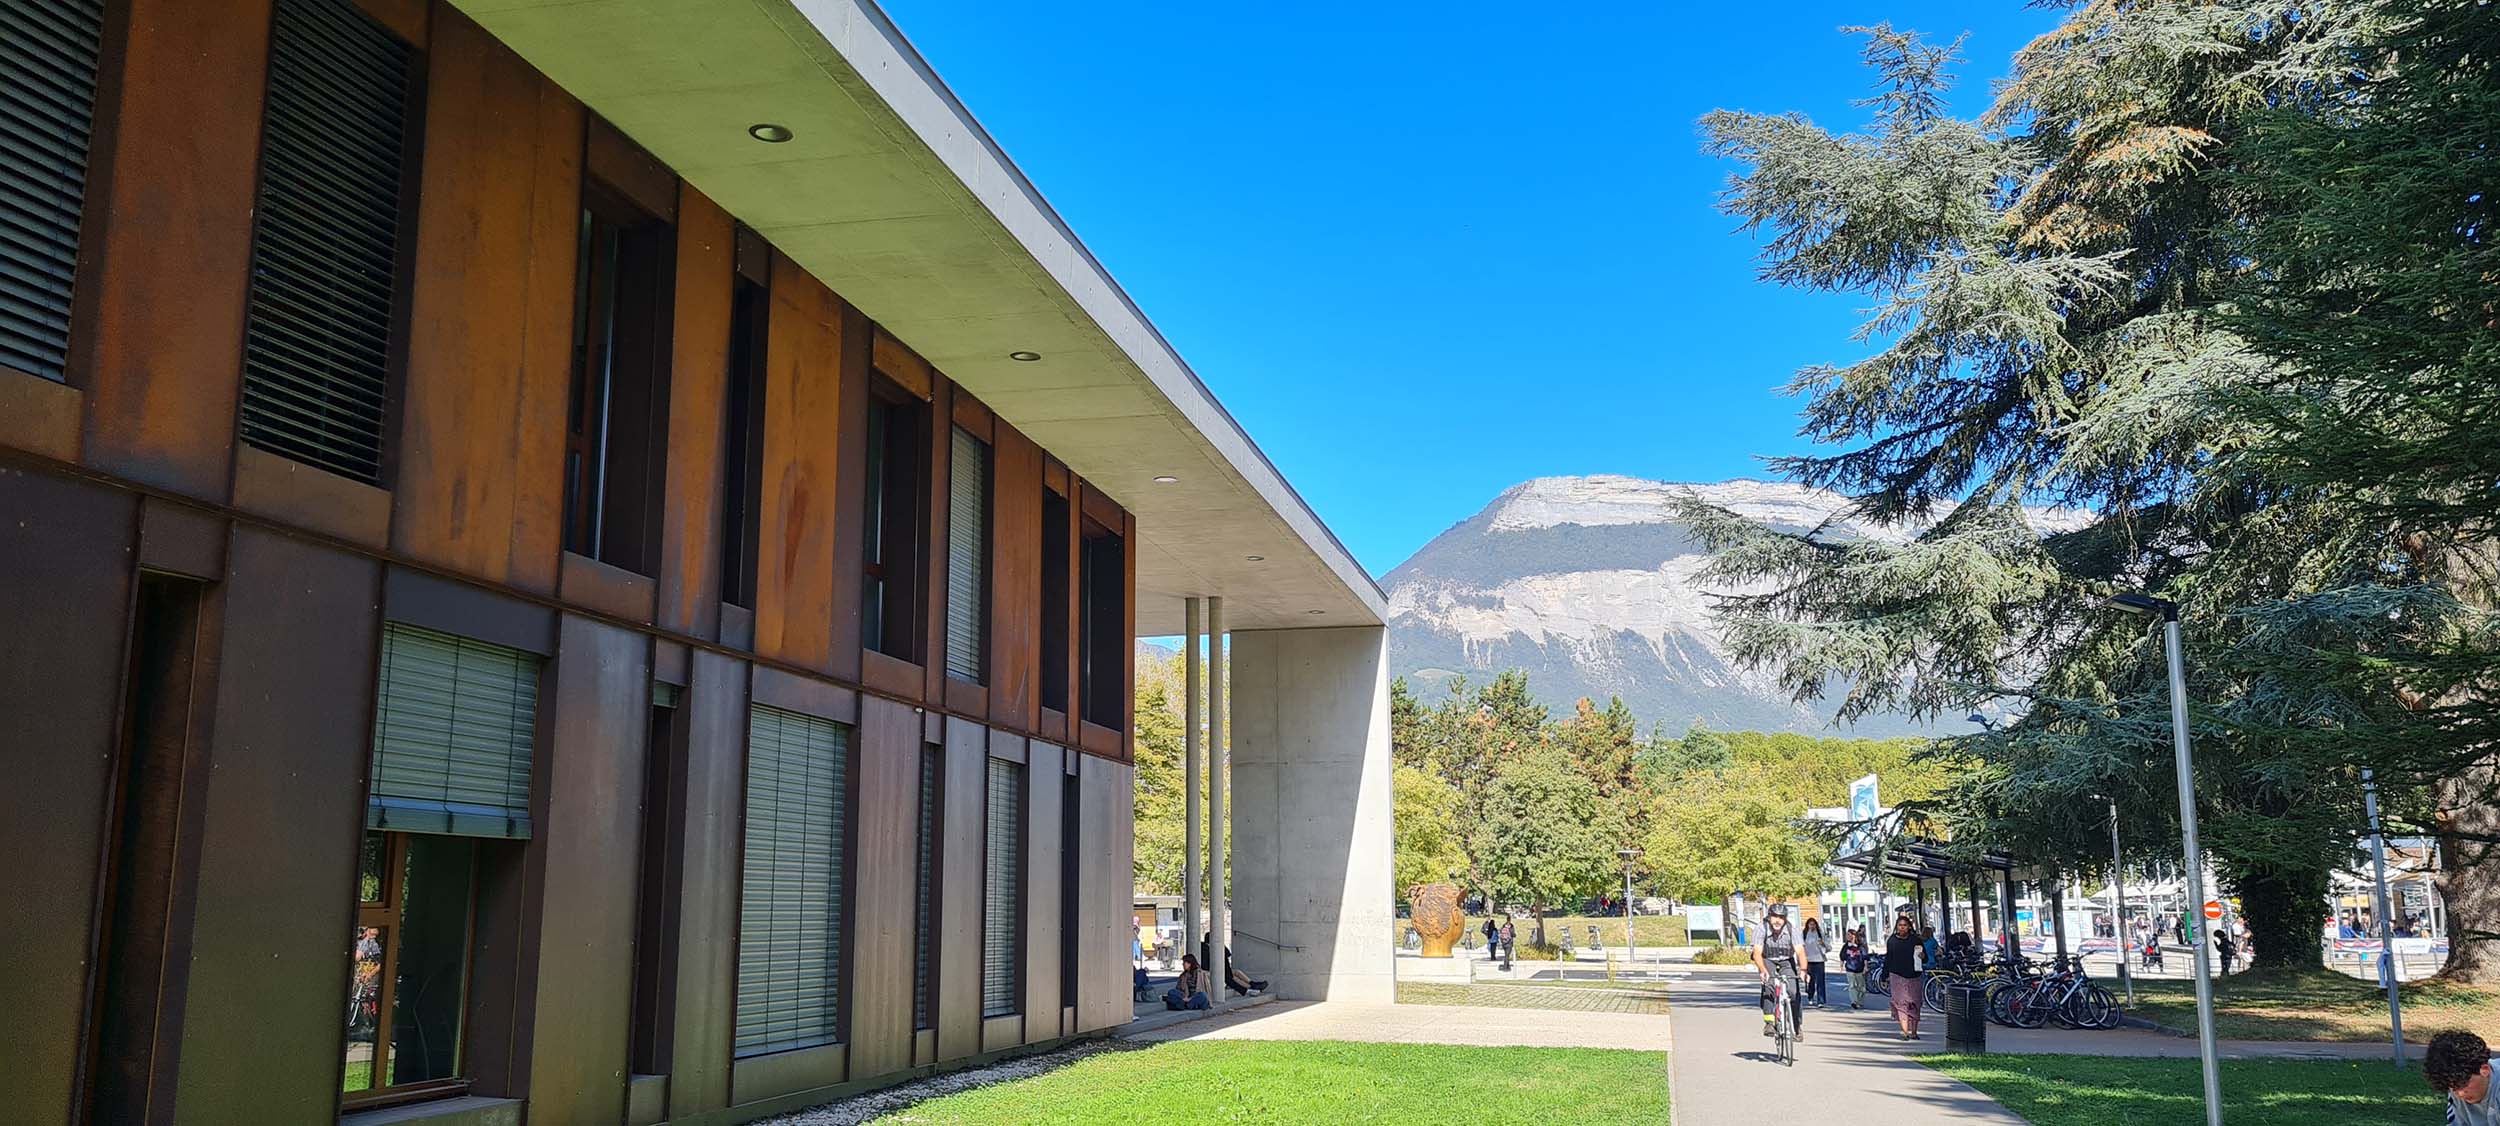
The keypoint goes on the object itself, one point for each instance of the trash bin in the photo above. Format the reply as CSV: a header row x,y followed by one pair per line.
x,y
1965,1019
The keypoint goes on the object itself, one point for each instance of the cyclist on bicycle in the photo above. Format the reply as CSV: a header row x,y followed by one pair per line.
x,y
1779,954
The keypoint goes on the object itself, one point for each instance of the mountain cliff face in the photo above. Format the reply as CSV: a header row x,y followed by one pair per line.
x,y
1588,585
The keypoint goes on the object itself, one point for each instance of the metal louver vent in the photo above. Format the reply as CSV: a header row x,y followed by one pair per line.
x,y
924,932
1002,923
325,252
47,106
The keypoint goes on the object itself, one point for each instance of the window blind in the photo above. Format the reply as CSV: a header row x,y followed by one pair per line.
x,y
453,732
967,554
924,931
47,108
1001,913
790,913
325,249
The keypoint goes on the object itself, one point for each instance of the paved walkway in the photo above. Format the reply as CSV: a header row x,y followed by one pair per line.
x,y
1467,1025
1851,1065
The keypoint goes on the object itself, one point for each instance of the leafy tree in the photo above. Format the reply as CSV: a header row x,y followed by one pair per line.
x,y
1716,833
1430,844
1161,781
1545,838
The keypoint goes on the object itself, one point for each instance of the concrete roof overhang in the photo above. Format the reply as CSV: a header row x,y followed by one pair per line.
x,y
892,194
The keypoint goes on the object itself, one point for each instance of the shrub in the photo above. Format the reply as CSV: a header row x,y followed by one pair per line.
x,y
1723,956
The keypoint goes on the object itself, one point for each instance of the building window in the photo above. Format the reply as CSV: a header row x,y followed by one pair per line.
x,y
967,556
453,736
1068,897
655,905
616,430
896,521
1102,616
47,111
321,331
1055,598
1002,915
924,925
742,485
410,952
790,918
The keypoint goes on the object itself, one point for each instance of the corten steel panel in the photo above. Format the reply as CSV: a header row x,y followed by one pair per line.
x,y
480,486
181,540
1104,885
802,422
1071,692
690,531
1128,630
851,492
261,1033
933,568
39,416
178,159
590,787
65,546
1044,843
1015,579
960,856
886,814
289,492
715,719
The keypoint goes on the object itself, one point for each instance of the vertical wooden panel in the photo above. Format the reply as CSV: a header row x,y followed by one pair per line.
x,y
802,424
481,436
960,856
851,492
690,531
1127,640
707,913
169,272
887,815
284,811
589,785
1015,580
1105,883
1045,842
66,547
933,568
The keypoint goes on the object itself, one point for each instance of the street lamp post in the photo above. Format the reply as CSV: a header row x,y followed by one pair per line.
x,y
1631,940
2118,882
2386,924
2168,613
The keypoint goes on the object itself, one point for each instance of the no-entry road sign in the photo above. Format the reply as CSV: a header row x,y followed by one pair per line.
x,y
2213,908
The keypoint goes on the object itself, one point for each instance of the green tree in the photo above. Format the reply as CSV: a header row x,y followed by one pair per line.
x,y
1158,832
1430,844
1545,839
1716,833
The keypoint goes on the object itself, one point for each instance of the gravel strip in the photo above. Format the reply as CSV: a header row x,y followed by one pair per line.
x,y
898,1100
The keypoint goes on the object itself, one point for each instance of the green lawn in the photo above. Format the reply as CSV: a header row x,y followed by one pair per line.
x,y
1319,1082
2317,1005
2105,1091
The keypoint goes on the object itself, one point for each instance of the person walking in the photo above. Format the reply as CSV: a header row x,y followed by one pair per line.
x,y
1810,940
2224,944
1853,962
1510,944
1492,938
1901,964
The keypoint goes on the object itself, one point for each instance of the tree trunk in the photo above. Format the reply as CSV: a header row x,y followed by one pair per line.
x,y
2469,883
1539,912
2282,908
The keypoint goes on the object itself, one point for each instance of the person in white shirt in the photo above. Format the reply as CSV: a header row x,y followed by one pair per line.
x,y
1811,941
2458,1065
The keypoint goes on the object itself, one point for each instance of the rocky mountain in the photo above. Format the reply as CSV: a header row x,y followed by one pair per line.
x,y
1589,585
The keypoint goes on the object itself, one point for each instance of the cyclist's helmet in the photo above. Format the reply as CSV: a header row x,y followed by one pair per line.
x,y
1777,911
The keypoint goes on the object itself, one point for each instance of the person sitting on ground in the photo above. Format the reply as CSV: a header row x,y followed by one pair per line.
x,y
1190,992
2458,1065
1239,982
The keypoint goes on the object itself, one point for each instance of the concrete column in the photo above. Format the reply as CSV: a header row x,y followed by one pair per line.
x,y
1312,867
1218,865
1193,746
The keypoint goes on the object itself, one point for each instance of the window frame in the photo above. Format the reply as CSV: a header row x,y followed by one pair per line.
x,y
625,269
892,514
388,911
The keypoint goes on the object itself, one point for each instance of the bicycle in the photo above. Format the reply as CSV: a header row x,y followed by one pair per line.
x,y
1784,1024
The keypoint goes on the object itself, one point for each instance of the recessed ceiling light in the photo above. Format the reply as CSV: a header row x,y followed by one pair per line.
x,y
769,133
1167,480
1255,558
1024,357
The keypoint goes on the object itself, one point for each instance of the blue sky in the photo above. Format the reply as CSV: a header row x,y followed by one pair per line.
x,y
1480,236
